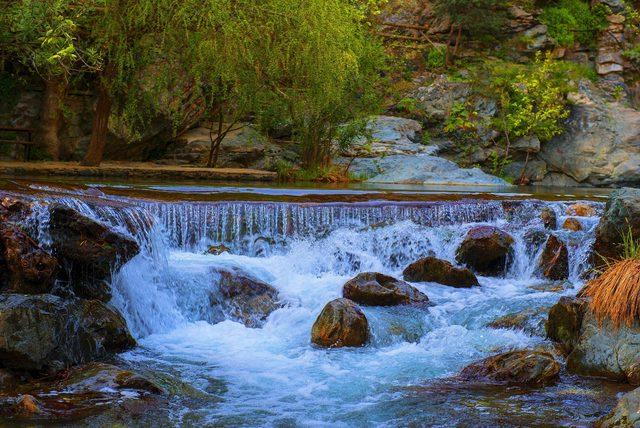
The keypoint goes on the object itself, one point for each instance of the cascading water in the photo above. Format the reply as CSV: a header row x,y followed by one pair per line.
x,y
273,375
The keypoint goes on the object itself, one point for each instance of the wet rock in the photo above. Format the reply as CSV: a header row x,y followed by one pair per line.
x,y
432,269
523,368
47,332
89,250
530,321
554,260
376,289
14,209
486,250
96,377
216,250
23,407
621,214
626,413
244,298
30,269
565,322
572,224
548,217
341,323
535,238
549,287
581,210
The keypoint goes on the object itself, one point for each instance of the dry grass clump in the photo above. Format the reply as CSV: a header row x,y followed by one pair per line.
x,y
615,294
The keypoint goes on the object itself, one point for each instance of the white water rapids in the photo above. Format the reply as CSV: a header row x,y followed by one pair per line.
x,y
273,375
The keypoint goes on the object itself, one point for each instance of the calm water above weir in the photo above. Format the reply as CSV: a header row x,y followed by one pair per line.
x,y
222,373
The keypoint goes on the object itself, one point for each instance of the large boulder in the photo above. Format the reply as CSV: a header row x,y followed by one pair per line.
x,y
521,368
47,332
554,260
244,298
341,323
600,145
622,212
626,413
486,250
432,269
89,250
30,269
376,289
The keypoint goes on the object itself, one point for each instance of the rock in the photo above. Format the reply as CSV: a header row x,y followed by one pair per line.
x,y
390,135
98,377
529,144
603,351
421,169
14,209
216,250
534,170
432,269
31,270
45,331
621,213
599,146
89,250
536,38
581,210
531,321
341,323
24,407
8,380
565,321
244,298
549,219
572,224
522,368
376,289
626,413
554,260
486,250
434,101
554,179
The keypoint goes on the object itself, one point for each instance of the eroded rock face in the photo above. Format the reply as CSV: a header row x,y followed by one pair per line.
x,y
487,250
432,269
600,146
376,289
89,250
47,332
244,298
622,212
554,260
626,413
523,368
30,269
340,324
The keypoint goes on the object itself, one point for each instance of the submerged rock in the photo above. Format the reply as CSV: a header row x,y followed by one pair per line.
x,y
523,368
216,250
244,298
30,269
626,413
432,269
341,323
89,250
47,332
376,289
486,250
621,214
531,321
554,260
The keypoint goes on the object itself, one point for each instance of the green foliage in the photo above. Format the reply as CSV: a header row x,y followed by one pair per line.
x,y
571,21
407,105
435,58
498,164
476,17
630,245
460,119
532,98
633,54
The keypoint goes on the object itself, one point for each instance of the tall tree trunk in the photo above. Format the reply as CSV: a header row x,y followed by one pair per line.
x,y
99,127
215,144
54,91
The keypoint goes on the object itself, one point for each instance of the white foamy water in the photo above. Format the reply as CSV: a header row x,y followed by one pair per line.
x,y
273,375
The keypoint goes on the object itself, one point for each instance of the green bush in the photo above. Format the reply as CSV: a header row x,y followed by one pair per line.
x,y
571,21
435,58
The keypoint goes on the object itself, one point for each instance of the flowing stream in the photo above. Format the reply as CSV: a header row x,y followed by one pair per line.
x,y
226,374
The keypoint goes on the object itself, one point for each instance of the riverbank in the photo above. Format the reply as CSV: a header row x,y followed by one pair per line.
x,y
132,170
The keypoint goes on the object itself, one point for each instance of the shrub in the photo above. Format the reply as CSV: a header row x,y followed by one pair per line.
x,y
571,21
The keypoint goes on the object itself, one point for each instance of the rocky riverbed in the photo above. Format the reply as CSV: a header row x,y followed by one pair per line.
x,y
115,309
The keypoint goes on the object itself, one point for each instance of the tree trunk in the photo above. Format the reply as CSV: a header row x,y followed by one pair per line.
x,y
99,128
54,91
215,144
